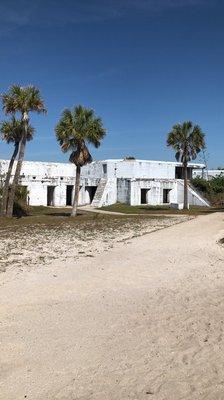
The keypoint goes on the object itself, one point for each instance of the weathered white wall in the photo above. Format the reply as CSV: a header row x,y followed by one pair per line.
x,y
155,191
93,170
37,176
123,190
141,169
153,175
110,193
37,194
44,170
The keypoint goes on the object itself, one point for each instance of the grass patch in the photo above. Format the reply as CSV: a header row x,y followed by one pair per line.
x,y
49,234
148,209
52,217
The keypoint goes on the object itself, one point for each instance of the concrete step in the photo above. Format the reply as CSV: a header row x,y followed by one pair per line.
x,y
99,192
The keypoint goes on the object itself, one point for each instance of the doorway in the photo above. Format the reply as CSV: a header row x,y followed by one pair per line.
x,y
166,196
50,195
69,195
91,190
144,196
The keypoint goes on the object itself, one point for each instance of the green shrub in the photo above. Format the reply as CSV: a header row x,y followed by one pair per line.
x,y
21,194
201,184
20,207
212,189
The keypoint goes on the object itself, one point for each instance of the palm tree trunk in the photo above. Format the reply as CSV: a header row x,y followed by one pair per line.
x,y
76,196
5,193
16,177
185,187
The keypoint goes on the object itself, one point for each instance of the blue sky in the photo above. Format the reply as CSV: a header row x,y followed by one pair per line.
x,y
142,65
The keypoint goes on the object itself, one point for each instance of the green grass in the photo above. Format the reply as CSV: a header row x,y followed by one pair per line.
x,y
148,209
52,217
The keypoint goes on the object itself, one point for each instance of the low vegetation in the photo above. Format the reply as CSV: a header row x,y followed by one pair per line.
x,y
20,206
150,210
212,189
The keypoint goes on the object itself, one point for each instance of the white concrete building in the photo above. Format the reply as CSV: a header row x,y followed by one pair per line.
x,y
106,182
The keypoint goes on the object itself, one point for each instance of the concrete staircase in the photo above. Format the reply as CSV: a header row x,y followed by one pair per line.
x,y
199,194
194,196
99,192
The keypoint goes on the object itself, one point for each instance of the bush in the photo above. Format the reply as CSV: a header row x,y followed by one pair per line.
x,y
213,189
201,184
217,184
21,194
20,207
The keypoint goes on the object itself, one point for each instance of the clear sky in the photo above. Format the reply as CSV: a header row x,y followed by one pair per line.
x,y
142,65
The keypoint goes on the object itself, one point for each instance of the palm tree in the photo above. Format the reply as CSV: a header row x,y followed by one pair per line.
x,y
75,128
187,140
22,100
11,132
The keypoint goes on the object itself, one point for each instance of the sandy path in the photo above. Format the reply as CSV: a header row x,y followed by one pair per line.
x,y
142,321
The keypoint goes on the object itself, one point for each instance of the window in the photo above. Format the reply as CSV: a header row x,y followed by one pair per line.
x,y
179,173
104,168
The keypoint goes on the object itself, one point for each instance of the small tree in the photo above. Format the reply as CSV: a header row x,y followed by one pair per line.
x,y
11,132
75,128
21,100
187,140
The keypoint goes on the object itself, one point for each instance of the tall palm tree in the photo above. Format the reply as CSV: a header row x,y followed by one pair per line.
x,y
187,140
11,132
21,100
75,128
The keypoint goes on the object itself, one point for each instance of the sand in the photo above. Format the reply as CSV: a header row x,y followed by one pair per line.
x,y
143,320
28,246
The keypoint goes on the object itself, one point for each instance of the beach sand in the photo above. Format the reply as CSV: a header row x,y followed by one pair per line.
x,y
143,320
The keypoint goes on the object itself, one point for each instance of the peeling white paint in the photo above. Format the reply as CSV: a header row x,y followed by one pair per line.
x,y
109,180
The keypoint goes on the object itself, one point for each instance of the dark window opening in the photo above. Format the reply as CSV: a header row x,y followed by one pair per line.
x,y
179,173
144,196
166,196
50,195
69,193
91,190
104,168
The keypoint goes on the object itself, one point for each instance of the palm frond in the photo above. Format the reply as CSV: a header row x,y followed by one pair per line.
x,y
187,140
23,99
12,130
77,127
